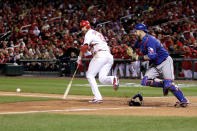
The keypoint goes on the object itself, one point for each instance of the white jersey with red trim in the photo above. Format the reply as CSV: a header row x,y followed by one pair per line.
x,y
95,41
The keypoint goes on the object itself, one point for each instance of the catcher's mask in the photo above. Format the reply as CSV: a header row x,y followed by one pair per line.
x,y
136,100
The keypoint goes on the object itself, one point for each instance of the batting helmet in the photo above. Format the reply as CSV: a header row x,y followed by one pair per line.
x,y
141,27
85,23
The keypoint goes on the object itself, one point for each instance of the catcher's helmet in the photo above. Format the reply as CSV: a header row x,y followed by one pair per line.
x,y
136,102
141,27
85,23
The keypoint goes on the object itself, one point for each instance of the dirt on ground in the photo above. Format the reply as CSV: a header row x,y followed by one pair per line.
x,y
75,104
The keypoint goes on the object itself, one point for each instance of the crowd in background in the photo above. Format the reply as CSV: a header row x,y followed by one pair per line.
x,y
49,29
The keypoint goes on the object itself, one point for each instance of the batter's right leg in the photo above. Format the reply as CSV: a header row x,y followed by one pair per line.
x,y
94,67
94,86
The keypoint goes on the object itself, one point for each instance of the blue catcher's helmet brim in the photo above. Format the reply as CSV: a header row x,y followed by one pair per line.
x,y
141,27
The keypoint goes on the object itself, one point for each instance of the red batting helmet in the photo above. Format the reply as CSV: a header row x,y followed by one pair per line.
x,y
85,23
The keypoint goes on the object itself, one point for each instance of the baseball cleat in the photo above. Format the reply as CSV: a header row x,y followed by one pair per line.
x,y
115,83
95,101
182,104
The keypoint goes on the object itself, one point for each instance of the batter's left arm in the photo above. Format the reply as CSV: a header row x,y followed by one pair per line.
x,y
83,49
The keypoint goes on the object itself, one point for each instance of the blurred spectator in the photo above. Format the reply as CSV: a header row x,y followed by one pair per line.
x,y
119,66
187,65
49,29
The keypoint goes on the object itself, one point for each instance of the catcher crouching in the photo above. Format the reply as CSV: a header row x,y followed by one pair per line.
x,y
161,64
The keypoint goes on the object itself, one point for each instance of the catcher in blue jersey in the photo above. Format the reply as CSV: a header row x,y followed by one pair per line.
x,y
160,61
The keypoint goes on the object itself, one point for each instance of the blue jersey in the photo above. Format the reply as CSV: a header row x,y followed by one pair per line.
x,y
151,47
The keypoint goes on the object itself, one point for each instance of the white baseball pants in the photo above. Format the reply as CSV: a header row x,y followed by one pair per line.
x,y
101,63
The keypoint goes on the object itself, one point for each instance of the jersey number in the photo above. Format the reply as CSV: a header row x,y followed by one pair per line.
x,y
99,35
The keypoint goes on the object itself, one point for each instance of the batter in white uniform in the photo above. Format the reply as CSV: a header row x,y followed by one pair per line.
x,y
101,62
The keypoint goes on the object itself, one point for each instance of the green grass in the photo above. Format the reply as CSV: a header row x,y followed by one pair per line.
x,y
58,86
11,99
60,122
33,85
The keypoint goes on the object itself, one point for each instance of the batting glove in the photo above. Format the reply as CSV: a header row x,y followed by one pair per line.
x,y
79,62
87,53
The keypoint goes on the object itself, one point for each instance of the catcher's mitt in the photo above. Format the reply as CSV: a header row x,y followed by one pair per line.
x,y
132,54
129,51
136,102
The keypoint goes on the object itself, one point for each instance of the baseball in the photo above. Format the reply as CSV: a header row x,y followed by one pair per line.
x,y
18,90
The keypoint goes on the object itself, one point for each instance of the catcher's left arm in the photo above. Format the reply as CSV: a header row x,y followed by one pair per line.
x,y
129,51
134,56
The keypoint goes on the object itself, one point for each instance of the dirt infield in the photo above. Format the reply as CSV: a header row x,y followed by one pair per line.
x,y
153,106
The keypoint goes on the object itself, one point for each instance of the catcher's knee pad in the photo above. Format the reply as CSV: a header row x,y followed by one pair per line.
x,y
168,84
157,83
144,81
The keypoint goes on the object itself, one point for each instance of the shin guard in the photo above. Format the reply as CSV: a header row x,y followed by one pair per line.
x,y
157,83
168,85
152,82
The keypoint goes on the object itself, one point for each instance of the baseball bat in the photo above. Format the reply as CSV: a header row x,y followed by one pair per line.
x,y
70,84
